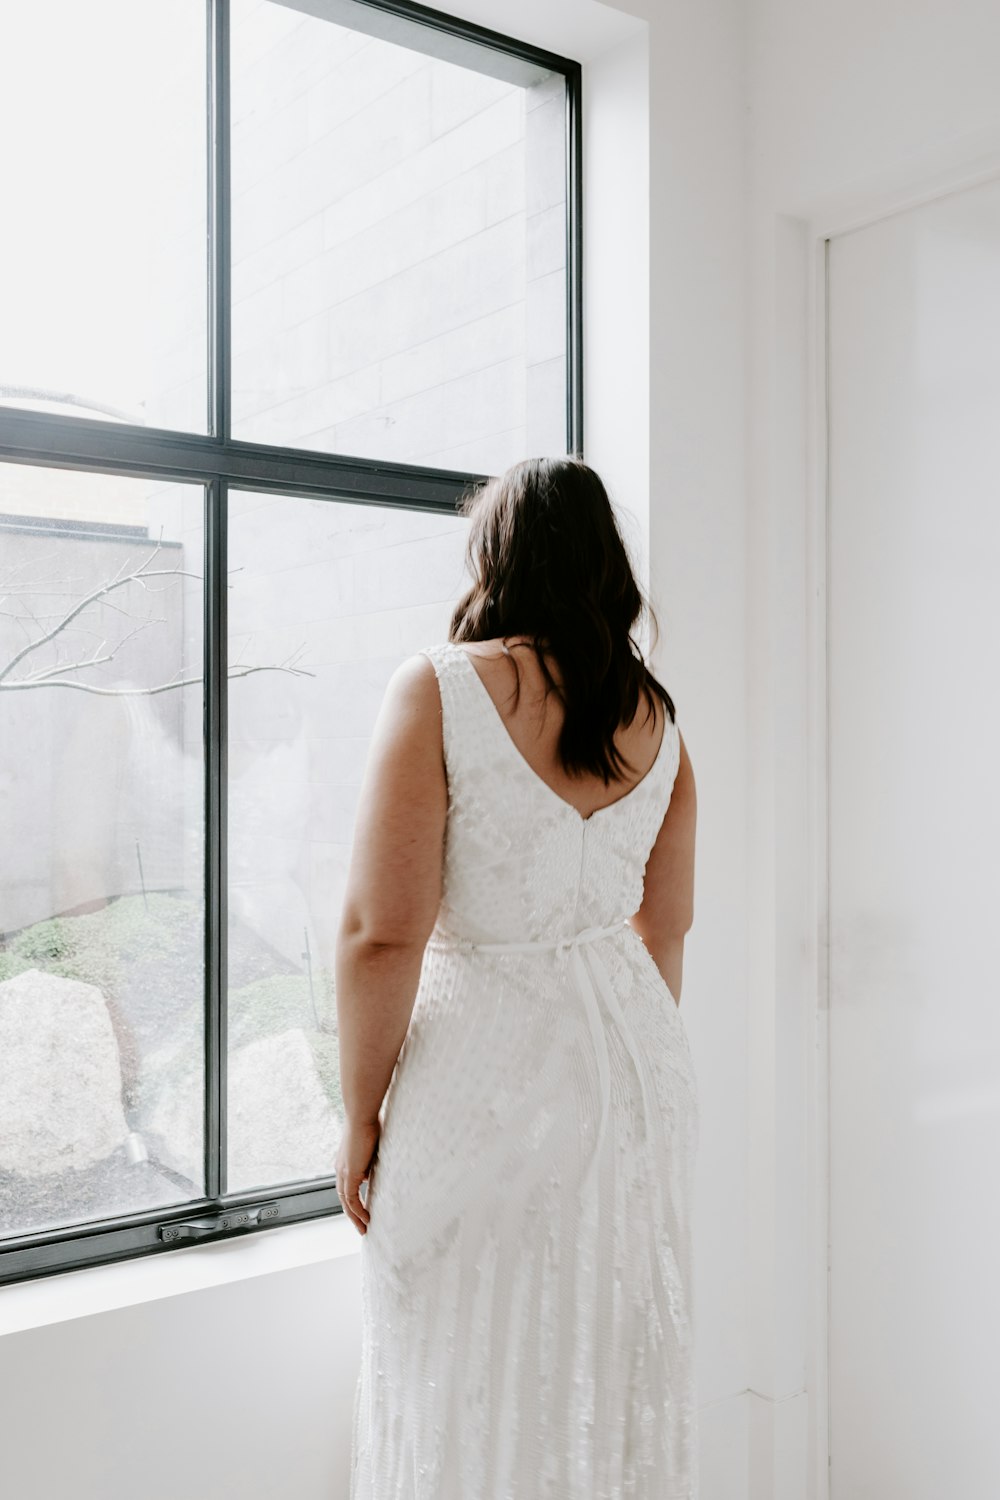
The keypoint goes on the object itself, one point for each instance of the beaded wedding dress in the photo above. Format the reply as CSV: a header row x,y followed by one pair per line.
x,y
526,1273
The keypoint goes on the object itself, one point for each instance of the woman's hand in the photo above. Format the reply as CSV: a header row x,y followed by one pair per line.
x,y
355,1159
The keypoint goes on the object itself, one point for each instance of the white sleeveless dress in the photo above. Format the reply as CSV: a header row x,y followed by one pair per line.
x,y
526,1274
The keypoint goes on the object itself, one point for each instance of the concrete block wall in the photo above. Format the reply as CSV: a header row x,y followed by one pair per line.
x,y
91,783
345,591
398,252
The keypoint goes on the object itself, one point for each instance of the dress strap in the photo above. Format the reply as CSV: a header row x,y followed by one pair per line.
x,y
458,706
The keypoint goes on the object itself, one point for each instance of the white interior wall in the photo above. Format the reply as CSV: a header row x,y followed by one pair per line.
x,y
914,541
243,1388
664,367
698,585
853,109
675,454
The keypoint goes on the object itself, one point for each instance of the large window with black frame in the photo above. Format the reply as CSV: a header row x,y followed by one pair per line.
x,y
278,283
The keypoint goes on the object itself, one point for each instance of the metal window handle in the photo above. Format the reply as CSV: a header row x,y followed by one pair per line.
x,y
228,1220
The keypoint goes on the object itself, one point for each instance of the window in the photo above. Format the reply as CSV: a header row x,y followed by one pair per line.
x,y
228,508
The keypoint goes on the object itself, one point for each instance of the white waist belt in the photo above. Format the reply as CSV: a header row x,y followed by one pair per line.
x,y
590,981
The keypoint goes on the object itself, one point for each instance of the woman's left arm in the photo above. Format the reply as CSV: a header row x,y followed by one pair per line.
x,y
390,907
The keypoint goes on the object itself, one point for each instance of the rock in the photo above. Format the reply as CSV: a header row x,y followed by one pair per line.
x,y
177,1116
60,1076
281,1125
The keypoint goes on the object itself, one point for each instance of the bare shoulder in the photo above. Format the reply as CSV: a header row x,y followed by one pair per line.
x,y
412,690
414,674
408,734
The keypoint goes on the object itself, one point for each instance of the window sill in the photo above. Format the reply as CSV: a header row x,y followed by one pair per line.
x,y
98,1289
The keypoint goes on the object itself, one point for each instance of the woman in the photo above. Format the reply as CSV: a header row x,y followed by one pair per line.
x,y
520,1099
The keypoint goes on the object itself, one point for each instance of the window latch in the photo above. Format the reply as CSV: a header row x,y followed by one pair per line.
x,y
222,1223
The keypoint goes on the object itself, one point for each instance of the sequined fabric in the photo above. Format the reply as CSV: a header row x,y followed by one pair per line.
x,y
527,1329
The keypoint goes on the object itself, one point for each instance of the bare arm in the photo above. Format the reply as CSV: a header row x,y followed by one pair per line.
x,y
667,910
393,887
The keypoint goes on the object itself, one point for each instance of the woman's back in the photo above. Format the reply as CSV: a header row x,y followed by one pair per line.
x,y
533,718
524,862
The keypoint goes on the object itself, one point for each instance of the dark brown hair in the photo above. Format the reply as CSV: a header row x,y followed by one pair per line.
x,y
548,562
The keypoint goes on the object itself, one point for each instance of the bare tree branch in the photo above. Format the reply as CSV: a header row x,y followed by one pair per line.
x,y
163,687
56,675
90,661
119,580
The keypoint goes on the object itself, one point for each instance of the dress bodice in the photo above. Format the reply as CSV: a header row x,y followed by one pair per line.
x,y
521,863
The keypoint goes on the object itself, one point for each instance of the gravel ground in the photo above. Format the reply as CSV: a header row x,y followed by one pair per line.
x,y
64,1199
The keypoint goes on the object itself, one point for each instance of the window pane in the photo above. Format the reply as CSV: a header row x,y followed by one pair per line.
x,y
101,883
102,259
399,246
330,597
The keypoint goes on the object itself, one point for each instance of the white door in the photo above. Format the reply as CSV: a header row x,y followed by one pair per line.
x,y
914,712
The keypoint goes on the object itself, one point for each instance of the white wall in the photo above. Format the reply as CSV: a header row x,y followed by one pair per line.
x,y
665,394
240,1382
914,361
698,582
853,109
860,96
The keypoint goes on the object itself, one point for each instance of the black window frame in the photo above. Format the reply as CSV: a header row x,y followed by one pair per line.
x,y
217,461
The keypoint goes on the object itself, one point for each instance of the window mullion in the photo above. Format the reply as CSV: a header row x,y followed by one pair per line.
x,y
574,264
216,924
219,261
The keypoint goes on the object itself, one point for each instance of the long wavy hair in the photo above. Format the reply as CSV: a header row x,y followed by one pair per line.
x,y
548,562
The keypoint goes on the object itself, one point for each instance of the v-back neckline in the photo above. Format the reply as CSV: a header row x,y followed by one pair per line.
x,y
584,818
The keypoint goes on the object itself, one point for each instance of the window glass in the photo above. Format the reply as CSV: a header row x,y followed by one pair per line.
x,y
334,596
101,866
397,234
399,246
102,259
